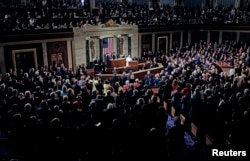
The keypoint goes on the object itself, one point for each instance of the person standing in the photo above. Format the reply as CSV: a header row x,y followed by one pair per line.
x,y
108,58
128,59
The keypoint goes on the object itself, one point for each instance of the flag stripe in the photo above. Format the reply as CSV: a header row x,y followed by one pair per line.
x,y
109,47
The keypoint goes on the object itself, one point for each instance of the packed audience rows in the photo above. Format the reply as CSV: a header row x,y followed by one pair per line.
x,y
59,113
42,15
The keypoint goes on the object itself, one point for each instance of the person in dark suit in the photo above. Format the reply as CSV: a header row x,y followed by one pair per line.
x,y
108,58
166,96
113,55
176,101
114,79
175,140
123,78
96,61
99,86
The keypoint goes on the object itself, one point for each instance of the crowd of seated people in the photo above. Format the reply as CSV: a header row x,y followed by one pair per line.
x,y
64,114
69,14
42,15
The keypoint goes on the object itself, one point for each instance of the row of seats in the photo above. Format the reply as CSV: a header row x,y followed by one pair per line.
x,y
123,14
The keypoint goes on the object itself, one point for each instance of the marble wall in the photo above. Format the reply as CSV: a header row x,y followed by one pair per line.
x,y
95,33
168,2
226,3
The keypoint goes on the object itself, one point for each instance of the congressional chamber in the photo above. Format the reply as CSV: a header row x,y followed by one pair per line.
x,y
124,80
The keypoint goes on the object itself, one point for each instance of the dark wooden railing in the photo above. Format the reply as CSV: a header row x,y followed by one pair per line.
x,y
139,71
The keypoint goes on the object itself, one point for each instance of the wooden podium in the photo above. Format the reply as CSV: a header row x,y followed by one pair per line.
x,y
121,62
133,63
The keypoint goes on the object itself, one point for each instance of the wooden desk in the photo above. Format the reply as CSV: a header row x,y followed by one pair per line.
x,y
138,73
133,63
121,62
134,68
224,66
91,72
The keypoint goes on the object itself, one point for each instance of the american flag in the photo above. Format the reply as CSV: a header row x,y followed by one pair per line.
x,y
107,45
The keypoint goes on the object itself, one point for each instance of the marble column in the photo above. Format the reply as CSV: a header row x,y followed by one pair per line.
x,y
45,54
220,37
181,40
129,44
69,51
115,43
100,47
237,36
118,45
88,57
171,40
139,46
208,36
153,43
2,61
